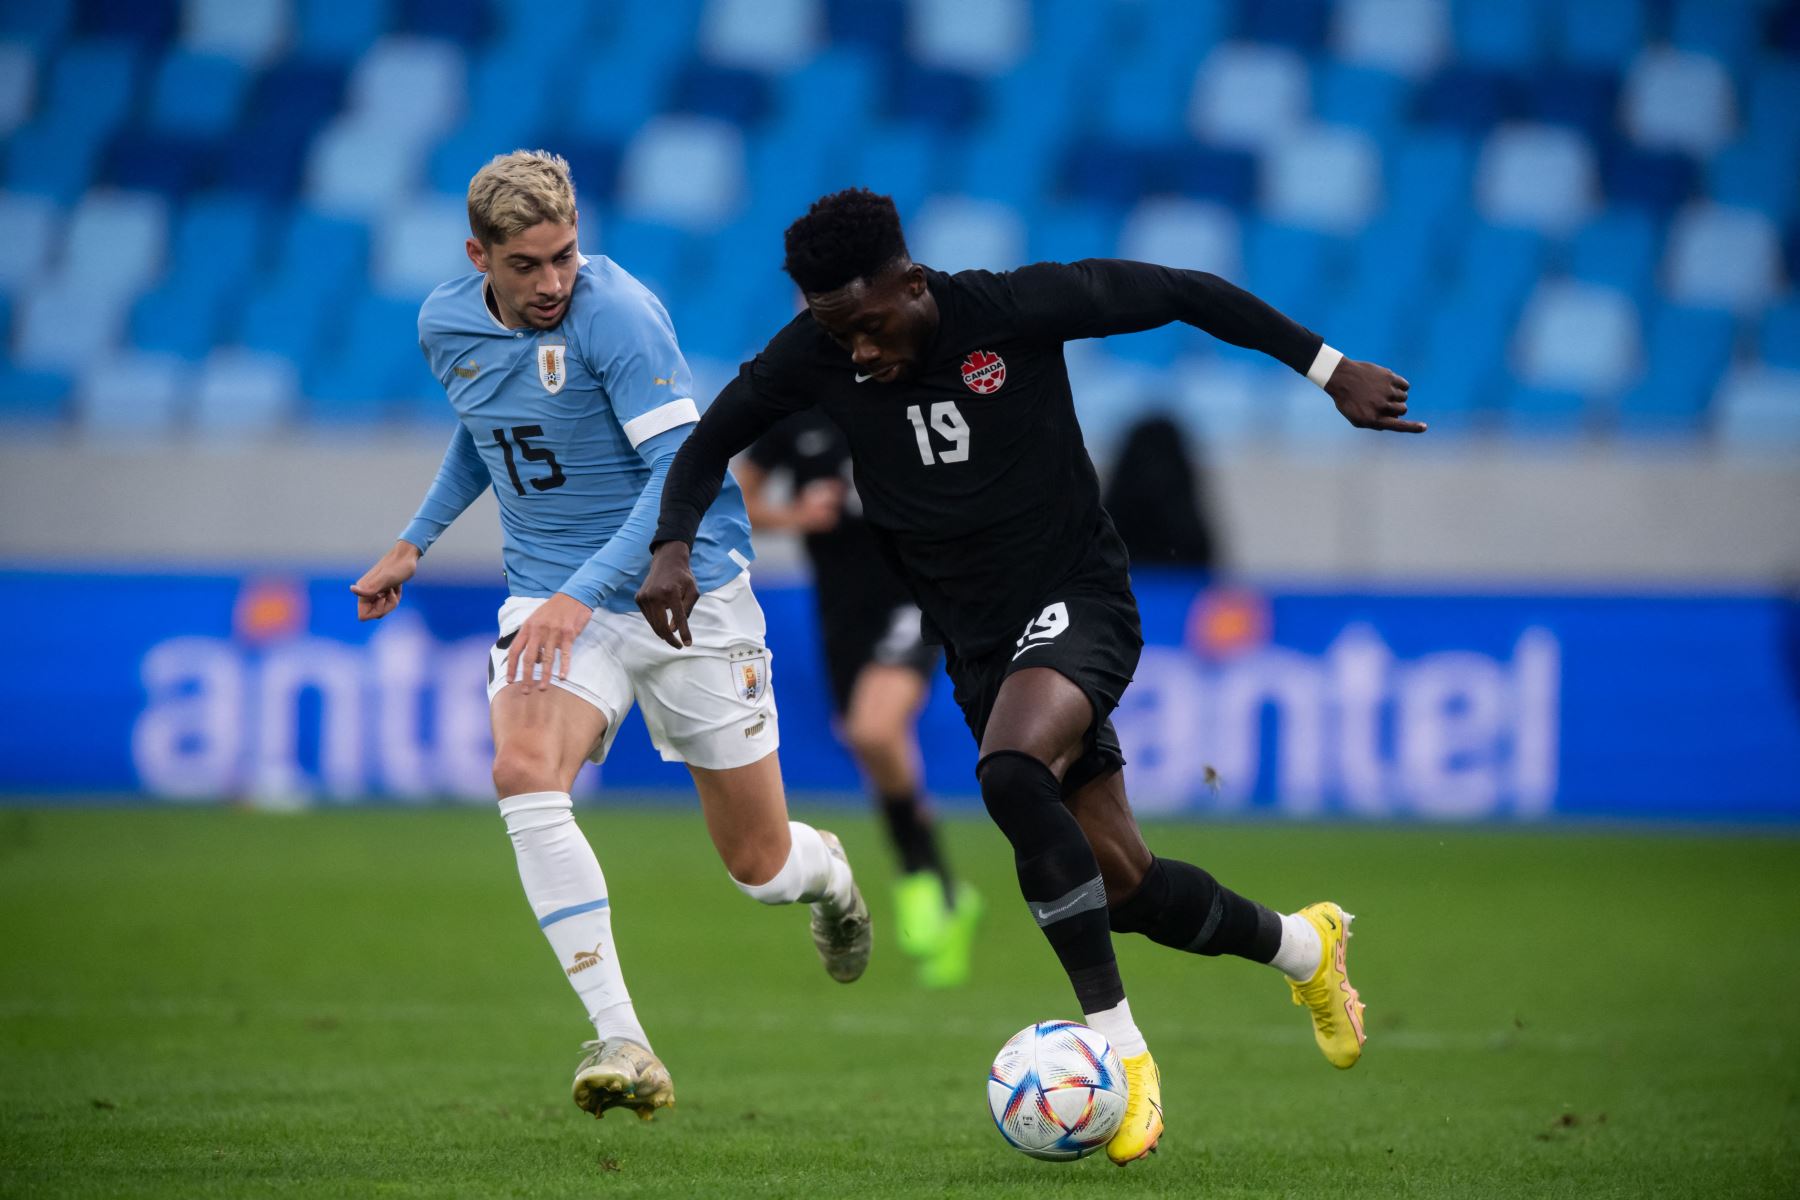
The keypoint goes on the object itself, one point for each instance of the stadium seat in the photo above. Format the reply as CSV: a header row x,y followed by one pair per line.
x,y
1755,174
1370,323
92,85
1617,249
287,319
1499,266
462,21
1598,35
1779,337
956,233
1323,177
243,392
877,27
33,227
761,35
1143,98
34,396
973,173
1405,37
1689,350
1183,233
1510,36
409,88
149,22
180,319
1537,177
902,160
1365,98
1726,30
1657,181
1219,401
116,243
418,246
250,31
39,24
1723,258
18,85
1758,409
686,171
848,76
1292,267
1428,181
366,375
53,157
1583,99
355,169
197,94
1066,232
973,39
46,340
734,94
170,164
133,394
1774,117
1578,337
659,256
1249,95
1674,100
329,31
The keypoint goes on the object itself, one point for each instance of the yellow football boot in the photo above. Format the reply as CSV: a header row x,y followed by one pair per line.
x,y
1337,1011
1143,1124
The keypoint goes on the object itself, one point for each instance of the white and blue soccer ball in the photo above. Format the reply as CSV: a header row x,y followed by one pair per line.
x,y
1057,1091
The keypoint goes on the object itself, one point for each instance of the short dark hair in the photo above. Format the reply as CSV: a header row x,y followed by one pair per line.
x,y
846,236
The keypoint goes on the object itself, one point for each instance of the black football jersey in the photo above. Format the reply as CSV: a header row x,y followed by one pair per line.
x,y
973,472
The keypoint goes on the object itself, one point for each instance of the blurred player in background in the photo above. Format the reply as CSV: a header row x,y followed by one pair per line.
x,y
572,398
972,469
880,669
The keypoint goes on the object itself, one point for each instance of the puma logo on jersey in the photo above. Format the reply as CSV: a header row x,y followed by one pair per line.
x,y
467,371
661,382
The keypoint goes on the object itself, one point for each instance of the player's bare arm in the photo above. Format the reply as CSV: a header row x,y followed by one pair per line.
x,y
378,591
1371,397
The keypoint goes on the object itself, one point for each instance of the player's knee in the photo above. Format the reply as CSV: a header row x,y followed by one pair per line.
x,y
753,866
526,764
1015,787
874,742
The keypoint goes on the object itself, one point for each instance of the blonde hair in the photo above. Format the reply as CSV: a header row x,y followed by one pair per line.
x,y
518,190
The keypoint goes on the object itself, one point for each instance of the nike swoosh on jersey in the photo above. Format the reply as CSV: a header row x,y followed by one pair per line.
x,y
861,378
1032,646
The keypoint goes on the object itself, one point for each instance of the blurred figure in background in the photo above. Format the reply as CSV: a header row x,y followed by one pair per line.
x,y
880,670
1155,501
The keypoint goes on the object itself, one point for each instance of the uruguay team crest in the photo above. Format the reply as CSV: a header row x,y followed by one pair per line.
x,y
750,674
984,372
551,368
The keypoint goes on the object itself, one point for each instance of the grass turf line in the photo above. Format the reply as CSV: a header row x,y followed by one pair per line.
x,y
218,1003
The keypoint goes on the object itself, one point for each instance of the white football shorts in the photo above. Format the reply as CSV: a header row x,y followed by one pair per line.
x,y
711,705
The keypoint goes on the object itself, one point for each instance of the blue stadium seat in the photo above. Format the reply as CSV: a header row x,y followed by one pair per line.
x,y
93,85
1779,339
243,392
1617,249
1599,35
1249,95
660,256
1774,115
762,35
323,252
1300,24
618,94
1215,173
221,236
1536,176
377,362
1689,350
1293,268
38,24
287,319
171,164
1723,258
1065,232
1674,100
1467,99
1428,180
900,160
329,31
950,100
361,170
1373,100
134,394
18,85
1408,38
1529,411
116,243
249,31
1374,324
150,22
877,26
44,338
1326,177
409,88
1578,337
982,167
687,171
1582,98
1727,30
1499,265
181,319
56,158
1143,99
1510,35
33,237
197,95
27,395
728,93
975,39
956,233
1754,174
848,76
1183,233
461,21
1758,410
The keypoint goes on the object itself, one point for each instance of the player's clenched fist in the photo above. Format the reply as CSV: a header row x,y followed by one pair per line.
x,y
547,637
1371,397
378,591
669,594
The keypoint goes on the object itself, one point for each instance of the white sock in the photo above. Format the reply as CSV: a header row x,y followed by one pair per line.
x,y
1300,952
567,891
812,874
1117,1027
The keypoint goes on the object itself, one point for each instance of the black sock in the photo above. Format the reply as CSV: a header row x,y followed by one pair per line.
x,y
1182,906
1057,873
915,839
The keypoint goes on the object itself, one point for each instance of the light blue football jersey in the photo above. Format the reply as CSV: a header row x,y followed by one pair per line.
x,y
574,427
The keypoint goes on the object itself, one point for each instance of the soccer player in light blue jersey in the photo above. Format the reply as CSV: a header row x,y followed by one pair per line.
x,y
572,398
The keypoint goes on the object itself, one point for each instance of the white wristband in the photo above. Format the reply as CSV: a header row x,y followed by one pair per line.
x,y
1324,364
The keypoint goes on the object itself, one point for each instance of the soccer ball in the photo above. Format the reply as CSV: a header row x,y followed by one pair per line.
x,y
1057,1091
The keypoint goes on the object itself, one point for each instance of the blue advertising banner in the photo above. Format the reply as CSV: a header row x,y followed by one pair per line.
x,y
1285,703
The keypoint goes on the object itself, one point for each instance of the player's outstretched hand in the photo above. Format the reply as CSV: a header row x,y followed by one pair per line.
x,y
378,591
547,637
1371,397
669,594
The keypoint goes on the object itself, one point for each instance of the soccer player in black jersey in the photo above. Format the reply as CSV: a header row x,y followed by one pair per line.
x,y
880,669
955,399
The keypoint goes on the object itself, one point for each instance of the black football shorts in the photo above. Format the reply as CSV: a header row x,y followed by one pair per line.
x,y
1094,640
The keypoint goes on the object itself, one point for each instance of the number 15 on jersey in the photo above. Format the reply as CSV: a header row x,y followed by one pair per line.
x,y
948,424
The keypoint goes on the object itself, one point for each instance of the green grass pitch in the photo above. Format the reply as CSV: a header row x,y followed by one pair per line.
x,y
200,1003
